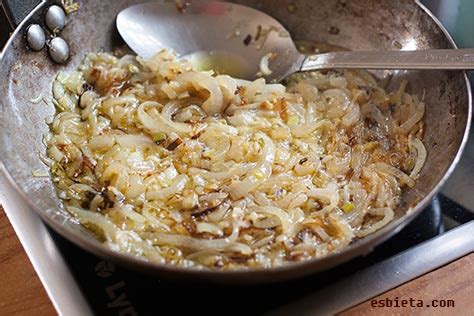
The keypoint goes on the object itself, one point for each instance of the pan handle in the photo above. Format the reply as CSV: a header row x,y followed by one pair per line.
x,y
17,10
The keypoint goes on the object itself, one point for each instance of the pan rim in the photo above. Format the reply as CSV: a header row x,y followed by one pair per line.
x,y
281,273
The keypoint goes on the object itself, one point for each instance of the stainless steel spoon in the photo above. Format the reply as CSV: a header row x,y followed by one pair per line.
x,y
242,42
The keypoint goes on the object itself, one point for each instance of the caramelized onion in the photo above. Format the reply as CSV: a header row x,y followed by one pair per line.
x,y
184,167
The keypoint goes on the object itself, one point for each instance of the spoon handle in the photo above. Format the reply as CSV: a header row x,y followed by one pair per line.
x,y
418,59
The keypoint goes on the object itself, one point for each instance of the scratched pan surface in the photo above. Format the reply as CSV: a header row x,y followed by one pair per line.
x,y
357,25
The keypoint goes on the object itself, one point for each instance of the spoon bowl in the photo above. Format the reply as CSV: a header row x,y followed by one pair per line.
x,y
237,34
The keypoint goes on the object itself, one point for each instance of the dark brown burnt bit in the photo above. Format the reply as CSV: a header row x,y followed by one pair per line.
x,y
241,93
208,208
87,87
240,258
333,30
196,136
115,197
352,141
247,40
108,203
174,144
259,33
204,212
349,174
95,73
257,233
370,123
85,164
341,5
397,45
62,147
99,187
39,66
392,108
302,161
88,163
227,231
89,197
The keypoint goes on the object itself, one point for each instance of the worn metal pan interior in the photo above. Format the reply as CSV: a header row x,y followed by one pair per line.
x,y
364,24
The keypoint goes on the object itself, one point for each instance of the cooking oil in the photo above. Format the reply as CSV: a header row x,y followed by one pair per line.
x,y
222,63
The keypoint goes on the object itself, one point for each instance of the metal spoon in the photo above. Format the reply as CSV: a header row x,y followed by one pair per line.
x,y
235,39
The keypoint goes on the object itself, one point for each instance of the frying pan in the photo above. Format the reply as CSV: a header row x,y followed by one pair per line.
x,y
360,25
